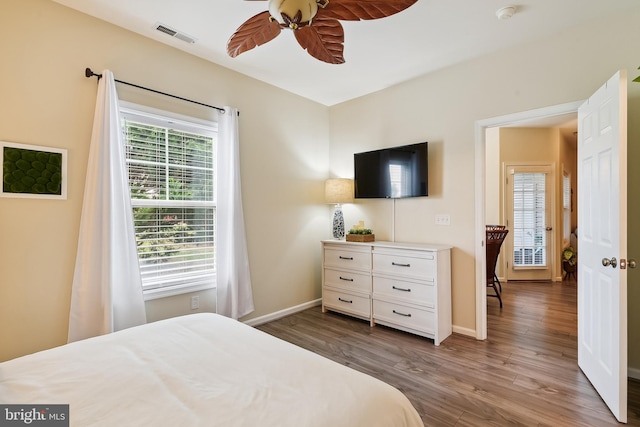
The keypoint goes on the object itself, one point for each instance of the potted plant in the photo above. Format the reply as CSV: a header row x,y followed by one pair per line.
x,y
360,235
569,261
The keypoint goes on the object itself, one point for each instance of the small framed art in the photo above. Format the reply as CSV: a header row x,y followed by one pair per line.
x,y
33,171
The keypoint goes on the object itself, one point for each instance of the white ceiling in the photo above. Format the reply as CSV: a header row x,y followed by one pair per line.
x,y
430,35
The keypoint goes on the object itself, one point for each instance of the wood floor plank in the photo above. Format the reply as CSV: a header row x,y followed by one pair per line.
x,y
524,374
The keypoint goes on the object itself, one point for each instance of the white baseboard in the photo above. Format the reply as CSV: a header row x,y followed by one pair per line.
x,y
464,331
282,313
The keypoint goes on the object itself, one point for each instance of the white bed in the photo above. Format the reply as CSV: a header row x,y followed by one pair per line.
x,y
201,370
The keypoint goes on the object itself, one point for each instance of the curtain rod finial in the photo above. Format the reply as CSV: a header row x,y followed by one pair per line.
x,y
89,73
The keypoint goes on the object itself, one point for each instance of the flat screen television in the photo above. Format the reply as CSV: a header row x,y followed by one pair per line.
x,y
392,173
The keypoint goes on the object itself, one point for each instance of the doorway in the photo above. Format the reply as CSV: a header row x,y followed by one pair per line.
x,y
525,165
549,115
602,317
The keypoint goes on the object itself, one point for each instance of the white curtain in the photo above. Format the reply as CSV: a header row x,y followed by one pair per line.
x,y
234,295
107,289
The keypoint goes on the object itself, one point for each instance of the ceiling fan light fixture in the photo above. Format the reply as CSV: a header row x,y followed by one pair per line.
x,y
290,8
316,24
506,12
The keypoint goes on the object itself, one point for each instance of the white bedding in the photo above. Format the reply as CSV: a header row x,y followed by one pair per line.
x,y
201,370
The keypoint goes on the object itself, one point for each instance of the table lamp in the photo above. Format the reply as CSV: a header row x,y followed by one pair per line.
x,y
338,191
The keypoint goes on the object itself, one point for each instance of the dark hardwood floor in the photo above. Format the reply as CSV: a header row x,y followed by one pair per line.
x,y
525,373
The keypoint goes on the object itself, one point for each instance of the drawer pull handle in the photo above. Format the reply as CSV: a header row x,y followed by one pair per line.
x,y
401,289
348,258
346,279
345,300
397,264
402,314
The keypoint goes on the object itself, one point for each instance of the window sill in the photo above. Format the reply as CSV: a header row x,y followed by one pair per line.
x,y
170,291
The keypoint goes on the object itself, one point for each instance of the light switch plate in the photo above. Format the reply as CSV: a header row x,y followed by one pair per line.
x,y
443,219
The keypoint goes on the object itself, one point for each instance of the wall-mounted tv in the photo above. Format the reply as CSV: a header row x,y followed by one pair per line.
x,y
392,173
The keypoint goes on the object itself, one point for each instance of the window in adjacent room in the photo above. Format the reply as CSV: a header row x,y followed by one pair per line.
x,y
566,208
171,168
529,220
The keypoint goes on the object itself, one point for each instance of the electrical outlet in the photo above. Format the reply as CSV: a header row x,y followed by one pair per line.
x,y
443,219
195,302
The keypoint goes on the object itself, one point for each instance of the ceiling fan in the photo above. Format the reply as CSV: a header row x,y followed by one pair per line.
x,y
314,23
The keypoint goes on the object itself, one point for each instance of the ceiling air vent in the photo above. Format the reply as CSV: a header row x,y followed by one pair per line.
x,y
173,33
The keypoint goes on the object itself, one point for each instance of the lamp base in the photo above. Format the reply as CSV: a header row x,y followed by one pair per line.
x,y
338,223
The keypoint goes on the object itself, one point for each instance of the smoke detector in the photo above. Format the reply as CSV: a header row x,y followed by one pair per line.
x,y
506,12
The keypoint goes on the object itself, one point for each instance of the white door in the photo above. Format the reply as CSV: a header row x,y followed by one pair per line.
x,y
529,195
602,242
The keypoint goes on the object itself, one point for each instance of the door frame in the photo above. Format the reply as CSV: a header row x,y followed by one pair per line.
x,y
480,234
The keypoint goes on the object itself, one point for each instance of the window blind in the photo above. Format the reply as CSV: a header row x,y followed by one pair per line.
x,y
566,192
529,220
171,178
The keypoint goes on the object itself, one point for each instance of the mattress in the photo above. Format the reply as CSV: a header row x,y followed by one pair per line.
x,y
201,370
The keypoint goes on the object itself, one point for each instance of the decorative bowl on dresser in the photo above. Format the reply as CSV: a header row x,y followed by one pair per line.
x,y
406,286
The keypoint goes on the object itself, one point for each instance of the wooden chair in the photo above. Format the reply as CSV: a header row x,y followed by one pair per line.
x,y
495,237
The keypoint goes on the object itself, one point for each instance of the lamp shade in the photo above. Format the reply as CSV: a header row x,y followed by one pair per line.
x,y
338,190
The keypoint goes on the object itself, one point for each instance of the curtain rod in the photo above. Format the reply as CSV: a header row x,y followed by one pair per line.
x,y
89,73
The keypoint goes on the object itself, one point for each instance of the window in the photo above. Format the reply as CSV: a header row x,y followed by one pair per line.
x,y
171,168
566,208
529,222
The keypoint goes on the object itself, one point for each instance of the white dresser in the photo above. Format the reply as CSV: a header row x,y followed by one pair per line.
x,y
346,278
406,286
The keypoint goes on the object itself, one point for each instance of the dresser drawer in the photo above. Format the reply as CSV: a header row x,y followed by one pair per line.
x,y
345,279
421,265
344,258
412,292
347,303
409,317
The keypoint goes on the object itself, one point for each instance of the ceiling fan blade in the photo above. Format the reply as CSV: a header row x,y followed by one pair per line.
x,y
323,40
255,31
355,10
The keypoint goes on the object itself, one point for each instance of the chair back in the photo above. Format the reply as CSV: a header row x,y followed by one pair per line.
x,y
493,243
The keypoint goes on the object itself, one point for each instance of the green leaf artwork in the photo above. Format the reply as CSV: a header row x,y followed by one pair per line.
x,y
27,171
637,79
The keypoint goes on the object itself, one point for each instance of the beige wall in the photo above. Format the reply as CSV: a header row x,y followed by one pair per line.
x,y
443,107
535,146
633,225
492,202
568,162
46,100
554,146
